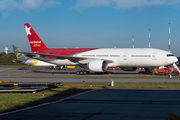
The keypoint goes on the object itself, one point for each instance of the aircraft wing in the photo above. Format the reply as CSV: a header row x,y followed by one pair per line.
x,y
39,56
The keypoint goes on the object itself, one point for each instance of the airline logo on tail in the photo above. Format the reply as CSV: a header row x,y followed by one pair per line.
x,y
19,55
28,30
35,42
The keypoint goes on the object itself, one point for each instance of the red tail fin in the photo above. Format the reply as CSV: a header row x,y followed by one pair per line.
x,y
35,41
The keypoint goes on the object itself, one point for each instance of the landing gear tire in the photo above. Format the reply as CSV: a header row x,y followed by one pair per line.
x,y
77,72
82,72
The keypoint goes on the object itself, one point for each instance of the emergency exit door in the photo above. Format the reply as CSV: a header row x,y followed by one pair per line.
x,y
125,56
154,56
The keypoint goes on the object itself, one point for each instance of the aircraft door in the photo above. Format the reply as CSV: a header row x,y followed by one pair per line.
x,y
154,56
125,56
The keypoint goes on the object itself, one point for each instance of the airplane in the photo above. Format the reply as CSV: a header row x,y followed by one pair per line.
x,y
23,59
98,59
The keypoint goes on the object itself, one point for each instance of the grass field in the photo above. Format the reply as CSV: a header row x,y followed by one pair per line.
x,y
14,101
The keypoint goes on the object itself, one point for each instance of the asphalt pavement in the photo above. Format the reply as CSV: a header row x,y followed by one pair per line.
x,y
100,104
105,104
46,72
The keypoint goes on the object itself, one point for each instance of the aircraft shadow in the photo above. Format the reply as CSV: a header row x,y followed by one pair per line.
x,y
71,72
46,72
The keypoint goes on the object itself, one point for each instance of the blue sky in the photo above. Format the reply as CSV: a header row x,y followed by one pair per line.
x,y
91,23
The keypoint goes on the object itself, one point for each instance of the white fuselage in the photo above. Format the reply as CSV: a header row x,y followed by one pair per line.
x,y
35,62
125,57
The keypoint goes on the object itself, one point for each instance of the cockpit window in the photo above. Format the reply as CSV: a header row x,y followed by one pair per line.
x,y
169,55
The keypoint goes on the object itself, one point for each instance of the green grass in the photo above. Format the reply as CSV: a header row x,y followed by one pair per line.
x,y
164,85
14,101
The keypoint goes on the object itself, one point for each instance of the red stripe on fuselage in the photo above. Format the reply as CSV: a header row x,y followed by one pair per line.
x,y
64,51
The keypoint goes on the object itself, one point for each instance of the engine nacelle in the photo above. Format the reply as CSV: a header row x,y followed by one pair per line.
x,y
97,65
129,68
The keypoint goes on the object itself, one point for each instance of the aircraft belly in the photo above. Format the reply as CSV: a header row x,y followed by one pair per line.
x,y
139,62
41,63
136,62
29,62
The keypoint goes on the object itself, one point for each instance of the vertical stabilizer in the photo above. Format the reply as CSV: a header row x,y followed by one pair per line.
x,y
20,56
35,41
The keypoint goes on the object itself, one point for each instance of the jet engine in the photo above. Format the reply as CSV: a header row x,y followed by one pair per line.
x,y
129,68
97,65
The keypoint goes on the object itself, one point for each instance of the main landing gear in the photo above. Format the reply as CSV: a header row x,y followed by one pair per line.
x,y
82,72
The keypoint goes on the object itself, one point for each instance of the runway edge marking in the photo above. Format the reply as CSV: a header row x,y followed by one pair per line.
x,y
43,104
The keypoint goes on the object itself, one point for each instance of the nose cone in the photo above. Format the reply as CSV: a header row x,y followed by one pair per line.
x,y
176,59
172,60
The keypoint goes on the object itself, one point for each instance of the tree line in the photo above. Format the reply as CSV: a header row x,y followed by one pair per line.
x,y
7,59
